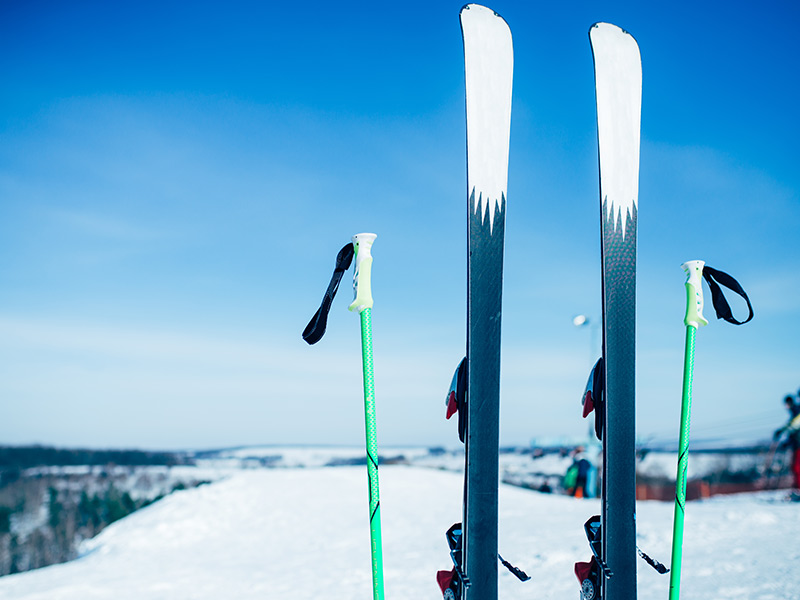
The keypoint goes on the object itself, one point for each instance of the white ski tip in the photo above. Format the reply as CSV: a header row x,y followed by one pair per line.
x,y
602,28
618,86
489,65
479,8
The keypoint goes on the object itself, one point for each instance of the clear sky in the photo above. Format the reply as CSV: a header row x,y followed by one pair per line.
x,y
176,179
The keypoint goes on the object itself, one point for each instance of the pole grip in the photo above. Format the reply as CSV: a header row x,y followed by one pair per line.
x,y
694,294
362,278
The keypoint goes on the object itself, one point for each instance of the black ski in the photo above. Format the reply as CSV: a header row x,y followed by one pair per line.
x,y
618,85
488,58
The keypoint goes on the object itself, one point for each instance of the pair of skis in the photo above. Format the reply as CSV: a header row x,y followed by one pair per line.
x,y
489,65
474,394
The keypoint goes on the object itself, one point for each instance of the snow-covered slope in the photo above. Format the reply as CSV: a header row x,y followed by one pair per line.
x,y
298,534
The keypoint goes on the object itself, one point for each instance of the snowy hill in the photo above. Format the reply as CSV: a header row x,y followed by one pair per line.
x,y
522,466
299,534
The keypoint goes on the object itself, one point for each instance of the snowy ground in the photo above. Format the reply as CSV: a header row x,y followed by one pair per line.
x,y
518,466
299,534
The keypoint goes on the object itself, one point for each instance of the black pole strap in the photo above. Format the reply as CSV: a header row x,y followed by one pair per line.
x,y
316,326
715,278
652,562
518,573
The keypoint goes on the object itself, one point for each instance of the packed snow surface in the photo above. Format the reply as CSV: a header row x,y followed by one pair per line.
x,y
303,534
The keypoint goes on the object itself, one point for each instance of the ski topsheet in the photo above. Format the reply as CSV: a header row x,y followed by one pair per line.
x,y
488,58
618,83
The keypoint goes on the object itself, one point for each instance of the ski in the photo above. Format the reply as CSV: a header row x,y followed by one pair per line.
x,y
488,62
618,87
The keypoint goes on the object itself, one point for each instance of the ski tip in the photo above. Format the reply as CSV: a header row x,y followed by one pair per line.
x,y
479,8
602,27
607,26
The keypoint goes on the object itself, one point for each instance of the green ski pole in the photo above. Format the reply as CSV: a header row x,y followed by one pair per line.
x,y
363,304
694,319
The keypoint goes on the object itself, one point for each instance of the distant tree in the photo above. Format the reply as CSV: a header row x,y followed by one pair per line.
x,y
54,507
117,505
5,519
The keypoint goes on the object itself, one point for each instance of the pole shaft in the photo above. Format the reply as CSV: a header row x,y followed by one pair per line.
x,y
372,455
683,464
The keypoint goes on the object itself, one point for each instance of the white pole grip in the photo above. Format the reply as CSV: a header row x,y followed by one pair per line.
x,y
694,294
362,278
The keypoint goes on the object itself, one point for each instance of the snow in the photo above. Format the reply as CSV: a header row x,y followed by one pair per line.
x,y
702,464
302,533
305,456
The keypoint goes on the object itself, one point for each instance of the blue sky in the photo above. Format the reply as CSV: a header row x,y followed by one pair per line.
x,y
175,182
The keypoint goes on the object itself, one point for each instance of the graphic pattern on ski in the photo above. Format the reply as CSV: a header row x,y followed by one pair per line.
x,y
618,83
488,57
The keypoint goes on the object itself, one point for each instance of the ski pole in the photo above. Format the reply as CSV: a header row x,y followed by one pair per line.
x,y
363,304
694,319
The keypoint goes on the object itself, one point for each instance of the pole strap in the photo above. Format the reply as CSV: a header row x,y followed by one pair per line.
x,y
715,278
316,326
652,562
516,571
